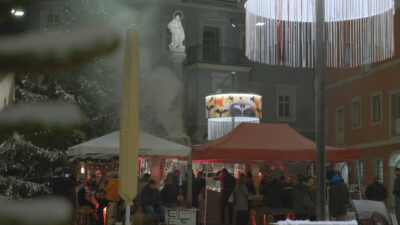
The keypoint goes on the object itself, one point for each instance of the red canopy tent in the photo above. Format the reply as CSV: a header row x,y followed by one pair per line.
x,y
266,143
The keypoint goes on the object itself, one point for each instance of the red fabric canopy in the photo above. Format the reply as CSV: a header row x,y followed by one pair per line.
x,y
267,143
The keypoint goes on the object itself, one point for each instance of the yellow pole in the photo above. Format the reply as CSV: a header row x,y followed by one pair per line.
x,y
129,124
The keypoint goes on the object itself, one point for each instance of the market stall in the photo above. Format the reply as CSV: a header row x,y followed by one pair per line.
x,y
152,150
266,143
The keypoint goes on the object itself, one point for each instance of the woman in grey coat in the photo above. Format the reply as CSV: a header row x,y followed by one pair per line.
x,y
241,200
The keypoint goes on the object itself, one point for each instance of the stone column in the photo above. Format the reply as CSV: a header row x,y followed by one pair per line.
x,y
177,57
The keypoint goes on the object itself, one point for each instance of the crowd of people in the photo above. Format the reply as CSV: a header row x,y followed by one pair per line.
x,y
91,195
95,194
299,196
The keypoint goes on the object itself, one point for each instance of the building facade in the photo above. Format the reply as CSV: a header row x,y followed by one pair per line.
x,y
215,37
363,111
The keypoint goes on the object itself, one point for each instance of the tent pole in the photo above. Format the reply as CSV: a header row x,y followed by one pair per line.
x,y
189,182
206,193
359,178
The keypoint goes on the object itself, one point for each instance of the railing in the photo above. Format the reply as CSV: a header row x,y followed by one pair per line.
x,y
219,55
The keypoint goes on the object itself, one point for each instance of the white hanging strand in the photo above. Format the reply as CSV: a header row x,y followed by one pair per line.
x,y
282,32
218,127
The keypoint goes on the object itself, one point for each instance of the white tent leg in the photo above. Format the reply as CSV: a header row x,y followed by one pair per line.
x,y
127,214
359,178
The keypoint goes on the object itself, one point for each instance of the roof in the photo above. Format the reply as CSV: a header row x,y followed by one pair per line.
x,y
108,145
267,143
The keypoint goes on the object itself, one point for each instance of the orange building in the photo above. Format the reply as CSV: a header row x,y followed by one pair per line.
x,y
363,111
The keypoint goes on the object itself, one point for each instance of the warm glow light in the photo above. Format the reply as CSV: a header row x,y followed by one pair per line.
x,y
226,111
12,11
233,105
19,13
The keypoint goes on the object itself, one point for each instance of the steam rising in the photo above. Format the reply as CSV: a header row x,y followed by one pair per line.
x,y
160,86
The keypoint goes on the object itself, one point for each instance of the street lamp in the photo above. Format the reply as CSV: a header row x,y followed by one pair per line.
x,y
17,12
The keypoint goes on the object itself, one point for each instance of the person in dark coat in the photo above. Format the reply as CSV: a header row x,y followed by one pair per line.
x,y
376,191
151,202
195,190
169,194
338,197
62,184
250,184
313,196
273,198
228,183
396,193
286,194
264,185
241,201
302,203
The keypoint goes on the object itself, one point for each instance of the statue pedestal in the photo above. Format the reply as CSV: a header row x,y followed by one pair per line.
x,y
177,56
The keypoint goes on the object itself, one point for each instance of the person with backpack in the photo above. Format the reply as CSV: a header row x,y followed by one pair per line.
x,y
338,197
228,183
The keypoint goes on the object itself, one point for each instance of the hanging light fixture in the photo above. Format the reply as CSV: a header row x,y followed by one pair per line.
x,y
282,32
226,111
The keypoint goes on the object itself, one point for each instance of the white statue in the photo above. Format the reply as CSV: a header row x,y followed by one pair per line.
x,y
178,34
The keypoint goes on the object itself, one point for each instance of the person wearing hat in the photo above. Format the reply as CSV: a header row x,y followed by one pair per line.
x,y
151,202
338,196
396,193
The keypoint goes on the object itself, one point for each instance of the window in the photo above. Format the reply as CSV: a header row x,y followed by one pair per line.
x,y
361,168
376,108
211,37
356,112
395,113
339,126
286,103
378,169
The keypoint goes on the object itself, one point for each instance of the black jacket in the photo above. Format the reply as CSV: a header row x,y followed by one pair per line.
x,y
274,199
228,185
300,193
338,197
376,191
169,194
150,197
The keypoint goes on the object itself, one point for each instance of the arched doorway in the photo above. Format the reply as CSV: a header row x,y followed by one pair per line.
x,y
394,161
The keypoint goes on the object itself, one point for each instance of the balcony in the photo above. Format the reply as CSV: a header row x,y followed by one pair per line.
x,y
216,55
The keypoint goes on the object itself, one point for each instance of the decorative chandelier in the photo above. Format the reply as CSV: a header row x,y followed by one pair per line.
x,y
282,32
226,111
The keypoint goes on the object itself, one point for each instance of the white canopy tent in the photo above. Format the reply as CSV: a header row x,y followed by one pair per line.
x,y
108,146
